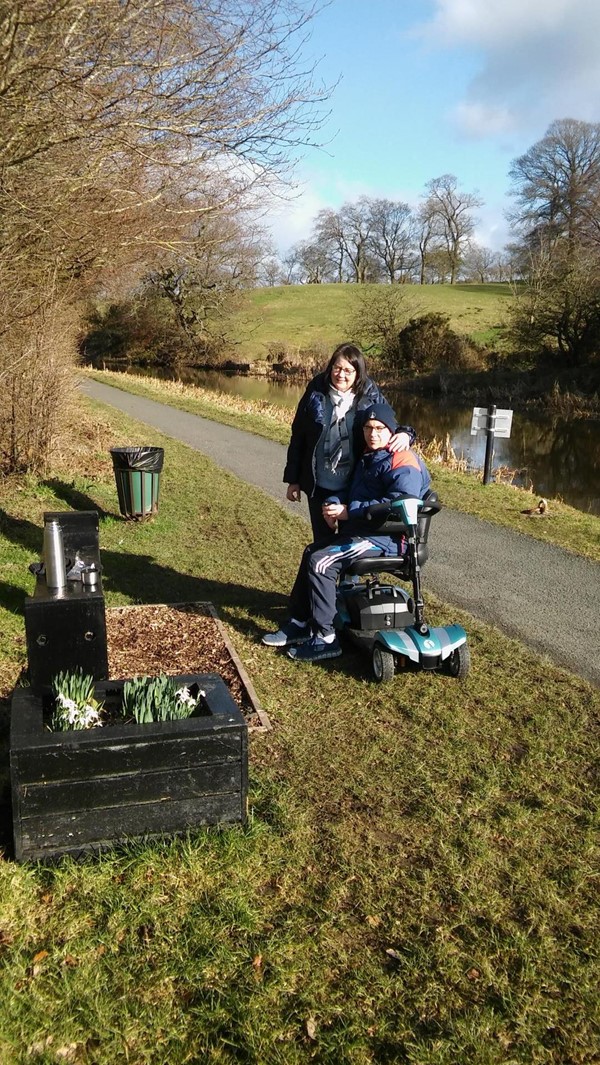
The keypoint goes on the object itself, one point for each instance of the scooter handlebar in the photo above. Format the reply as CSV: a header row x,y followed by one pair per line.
x,y
380,512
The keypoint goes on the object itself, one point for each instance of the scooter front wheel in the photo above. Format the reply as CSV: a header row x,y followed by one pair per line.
x,y
383,664
459,662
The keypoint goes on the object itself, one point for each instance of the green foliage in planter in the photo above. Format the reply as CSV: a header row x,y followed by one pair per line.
x,y
75,706
157,699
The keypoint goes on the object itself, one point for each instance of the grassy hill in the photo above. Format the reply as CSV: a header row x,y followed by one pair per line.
x,y
313,315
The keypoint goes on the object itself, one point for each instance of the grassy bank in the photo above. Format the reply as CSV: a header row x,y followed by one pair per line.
x,y
417,880
501,504
308,315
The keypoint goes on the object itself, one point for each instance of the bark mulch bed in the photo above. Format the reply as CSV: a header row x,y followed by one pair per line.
x,y
178,638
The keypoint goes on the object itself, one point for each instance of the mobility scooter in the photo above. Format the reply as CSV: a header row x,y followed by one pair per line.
x,y
384,620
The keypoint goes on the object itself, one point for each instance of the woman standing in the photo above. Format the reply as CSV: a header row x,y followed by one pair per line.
x,y
327,438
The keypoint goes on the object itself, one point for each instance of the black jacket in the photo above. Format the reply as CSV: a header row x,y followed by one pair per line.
x,y
309,424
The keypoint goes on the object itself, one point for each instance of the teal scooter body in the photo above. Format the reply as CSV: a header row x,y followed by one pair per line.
x,y
384,619
428,649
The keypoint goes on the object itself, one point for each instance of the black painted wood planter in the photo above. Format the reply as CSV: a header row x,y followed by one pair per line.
x,y
81,791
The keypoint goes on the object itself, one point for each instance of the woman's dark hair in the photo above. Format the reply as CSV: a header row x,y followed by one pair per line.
x,y
352,354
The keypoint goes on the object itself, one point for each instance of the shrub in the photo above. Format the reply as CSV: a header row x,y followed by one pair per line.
x,y
37,359
428,343
377,319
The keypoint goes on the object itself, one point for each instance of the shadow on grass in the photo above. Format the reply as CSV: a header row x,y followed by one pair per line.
x,y
75,499
11,597
22,532
143,580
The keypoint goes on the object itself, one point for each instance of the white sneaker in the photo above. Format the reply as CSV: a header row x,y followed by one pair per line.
x,y
288,634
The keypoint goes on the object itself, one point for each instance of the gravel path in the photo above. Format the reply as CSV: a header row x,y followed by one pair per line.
x,y
538,593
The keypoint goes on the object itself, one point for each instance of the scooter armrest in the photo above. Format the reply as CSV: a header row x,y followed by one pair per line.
x,y
378,510
383,515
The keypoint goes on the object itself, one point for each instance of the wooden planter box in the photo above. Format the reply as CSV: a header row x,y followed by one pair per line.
x,y
80,791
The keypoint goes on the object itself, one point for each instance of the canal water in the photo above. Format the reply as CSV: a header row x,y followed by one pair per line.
x,y
556,457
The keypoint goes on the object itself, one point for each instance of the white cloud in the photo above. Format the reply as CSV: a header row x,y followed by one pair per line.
x,y
539,61
494,24
484,120
493,231
290,219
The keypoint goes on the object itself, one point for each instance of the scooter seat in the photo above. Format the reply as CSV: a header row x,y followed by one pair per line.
x,y
386,522
394,566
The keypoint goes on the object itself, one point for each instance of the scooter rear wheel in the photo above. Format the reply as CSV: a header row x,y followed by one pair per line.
x,y
383,663
459,662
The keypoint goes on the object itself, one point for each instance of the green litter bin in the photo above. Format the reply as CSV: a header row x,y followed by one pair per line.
x,y
137,473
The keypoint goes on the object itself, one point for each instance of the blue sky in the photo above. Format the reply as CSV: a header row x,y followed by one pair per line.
x,y
429,87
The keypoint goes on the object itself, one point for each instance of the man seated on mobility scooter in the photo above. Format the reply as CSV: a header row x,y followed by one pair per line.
x,y
379,477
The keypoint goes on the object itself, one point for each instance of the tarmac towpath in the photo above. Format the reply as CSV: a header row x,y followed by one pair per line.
x,y
544,596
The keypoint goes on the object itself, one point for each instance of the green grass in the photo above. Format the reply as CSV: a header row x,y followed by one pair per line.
x,y
304,315
501,504
418,880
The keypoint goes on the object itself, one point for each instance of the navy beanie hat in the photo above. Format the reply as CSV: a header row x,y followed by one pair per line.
x,y
382,412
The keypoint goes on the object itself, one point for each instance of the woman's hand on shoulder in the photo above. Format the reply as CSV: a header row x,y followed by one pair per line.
x,y
399,442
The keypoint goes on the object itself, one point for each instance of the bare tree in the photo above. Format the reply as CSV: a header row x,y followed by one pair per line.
x,y
391,237
378,314
270,272
450,214
291,265
437,266
314,262
124,123
427,229
556,184
344,235
559,308
329,235
557,218
129,108
356,222
480,263
204,288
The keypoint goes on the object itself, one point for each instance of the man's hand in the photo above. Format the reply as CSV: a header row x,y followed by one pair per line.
x,y
334,512
293,493
399,442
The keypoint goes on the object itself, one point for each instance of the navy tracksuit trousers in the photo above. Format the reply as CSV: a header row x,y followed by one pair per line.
x,y
314,593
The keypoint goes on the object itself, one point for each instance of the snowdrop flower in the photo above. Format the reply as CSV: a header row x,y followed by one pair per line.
x,y
66,703
89,716
184,696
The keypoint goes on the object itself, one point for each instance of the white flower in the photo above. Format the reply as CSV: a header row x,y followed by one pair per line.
x,y
184,696
89,716
66,703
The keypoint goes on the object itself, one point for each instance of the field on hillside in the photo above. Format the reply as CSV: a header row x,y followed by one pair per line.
x,y
303,315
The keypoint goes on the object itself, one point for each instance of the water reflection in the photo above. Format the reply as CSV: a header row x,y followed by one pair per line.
x,y
557,457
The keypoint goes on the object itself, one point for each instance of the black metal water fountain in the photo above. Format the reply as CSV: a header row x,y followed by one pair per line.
x,y
65,620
